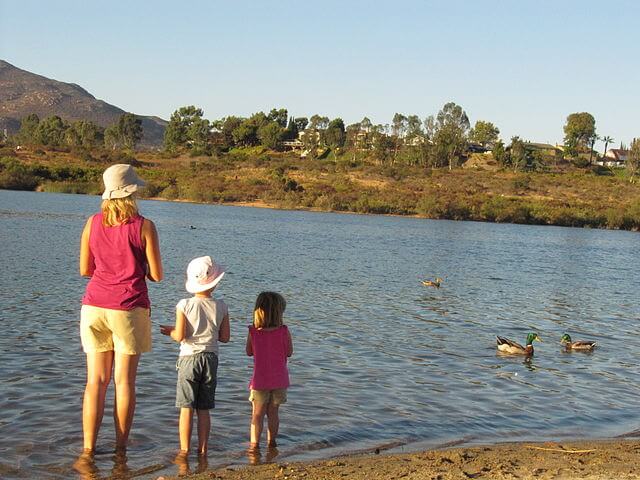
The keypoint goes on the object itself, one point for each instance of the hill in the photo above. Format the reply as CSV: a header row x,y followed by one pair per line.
x,y
22,93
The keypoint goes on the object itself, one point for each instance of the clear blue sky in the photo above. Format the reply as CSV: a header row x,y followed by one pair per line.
x,y
522,64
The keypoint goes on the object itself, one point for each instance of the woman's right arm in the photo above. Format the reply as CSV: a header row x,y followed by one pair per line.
x,y
152,251
87,263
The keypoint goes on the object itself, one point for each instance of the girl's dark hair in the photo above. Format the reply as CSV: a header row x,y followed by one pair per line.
x,y
268,310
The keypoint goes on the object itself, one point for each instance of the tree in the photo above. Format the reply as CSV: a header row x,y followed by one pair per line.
x,y
270,134
198,134
499,153
484,133
291,132
301,123
414,127
399,125
279,116
518,156
579,131
247,133
130,129
449,134
84,134
316,122
112,137
177,132
633,160
607,141
224,130
51,131
334,135
28,128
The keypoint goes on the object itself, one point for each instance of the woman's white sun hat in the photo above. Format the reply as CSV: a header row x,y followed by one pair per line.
x,y
203,274
120,181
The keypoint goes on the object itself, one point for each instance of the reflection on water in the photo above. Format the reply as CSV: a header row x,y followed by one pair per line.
x,y
379,358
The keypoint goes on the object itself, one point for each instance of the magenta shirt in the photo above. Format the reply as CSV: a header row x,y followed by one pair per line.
x,y
118,281
269,358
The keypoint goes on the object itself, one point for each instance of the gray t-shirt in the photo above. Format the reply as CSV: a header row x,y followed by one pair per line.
x,y
204,317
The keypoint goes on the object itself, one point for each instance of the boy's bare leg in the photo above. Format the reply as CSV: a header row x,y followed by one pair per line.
x,y
257,419
99,365
204,428
273,424
184,428
125,371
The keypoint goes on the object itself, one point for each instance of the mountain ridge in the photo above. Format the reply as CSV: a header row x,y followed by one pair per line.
x,y
23,92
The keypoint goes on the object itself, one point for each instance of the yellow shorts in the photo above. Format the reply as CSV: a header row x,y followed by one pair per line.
x,y
277,396
121,331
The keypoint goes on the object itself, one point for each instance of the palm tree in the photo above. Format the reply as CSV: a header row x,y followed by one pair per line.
x,y
607,141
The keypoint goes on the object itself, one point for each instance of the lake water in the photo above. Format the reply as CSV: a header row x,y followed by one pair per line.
x,y
379,359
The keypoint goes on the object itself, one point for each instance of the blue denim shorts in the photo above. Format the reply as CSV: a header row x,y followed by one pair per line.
x,y
197,379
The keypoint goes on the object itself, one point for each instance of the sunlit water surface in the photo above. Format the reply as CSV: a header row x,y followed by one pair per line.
x,y
379,359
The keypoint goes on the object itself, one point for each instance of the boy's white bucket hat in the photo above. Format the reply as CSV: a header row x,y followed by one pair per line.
x,y
120,181
202,274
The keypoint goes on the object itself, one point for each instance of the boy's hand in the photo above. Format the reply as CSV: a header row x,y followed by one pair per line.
x,y
166,330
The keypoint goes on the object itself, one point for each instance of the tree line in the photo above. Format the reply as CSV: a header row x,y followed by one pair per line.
x,y
441,140
53,131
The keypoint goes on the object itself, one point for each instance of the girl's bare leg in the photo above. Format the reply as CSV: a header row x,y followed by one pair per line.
x,y
257,419
125,371
204,428
273,424
184,428
99,366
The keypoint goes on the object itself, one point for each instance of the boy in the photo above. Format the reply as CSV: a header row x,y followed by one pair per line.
x,y
201,322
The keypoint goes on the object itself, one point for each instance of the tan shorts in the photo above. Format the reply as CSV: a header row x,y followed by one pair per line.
x,y
276,397
121,331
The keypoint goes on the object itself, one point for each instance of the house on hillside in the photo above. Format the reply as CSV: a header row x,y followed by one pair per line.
x,y
533,146
292,145
615,157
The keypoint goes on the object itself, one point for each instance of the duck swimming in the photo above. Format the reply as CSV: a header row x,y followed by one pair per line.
x,y
432,283
509,346
577,345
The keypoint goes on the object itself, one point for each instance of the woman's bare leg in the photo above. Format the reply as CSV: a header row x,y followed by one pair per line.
x,y
125,371
99,365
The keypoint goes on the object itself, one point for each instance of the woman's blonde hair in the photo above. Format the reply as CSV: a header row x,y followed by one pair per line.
x,y
269,310
117,211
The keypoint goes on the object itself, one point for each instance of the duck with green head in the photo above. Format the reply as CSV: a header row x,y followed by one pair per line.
x,y
509,346
584,345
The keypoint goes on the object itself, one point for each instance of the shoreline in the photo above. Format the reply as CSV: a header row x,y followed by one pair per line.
x,y
613,458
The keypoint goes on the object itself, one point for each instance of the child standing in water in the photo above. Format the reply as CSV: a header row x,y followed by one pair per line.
x,y
201,322
269,343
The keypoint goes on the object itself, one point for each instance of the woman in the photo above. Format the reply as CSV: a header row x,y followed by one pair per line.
x,y
118,249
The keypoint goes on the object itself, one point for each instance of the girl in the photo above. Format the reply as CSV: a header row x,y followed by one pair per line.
x,y
269,343
118,250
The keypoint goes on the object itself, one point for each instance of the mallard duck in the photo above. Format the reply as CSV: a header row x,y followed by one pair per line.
x,y
509,346
432,283
577,345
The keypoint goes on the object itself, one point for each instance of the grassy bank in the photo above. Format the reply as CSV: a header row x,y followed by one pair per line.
x,y
597,198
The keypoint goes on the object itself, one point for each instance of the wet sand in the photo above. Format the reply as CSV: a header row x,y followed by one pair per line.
x,y
610,459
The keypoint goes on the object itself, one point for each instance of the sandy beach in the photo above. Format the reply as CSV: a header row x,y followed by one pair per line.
x,y
602,459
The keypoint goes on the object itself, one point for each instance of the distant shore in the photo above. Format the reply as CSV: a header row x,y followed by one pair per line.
x,y
593,197
597,459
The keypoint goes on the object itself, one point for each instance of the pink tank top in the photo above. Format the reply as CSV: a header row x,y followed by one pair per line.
x,y
118,281
269,358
